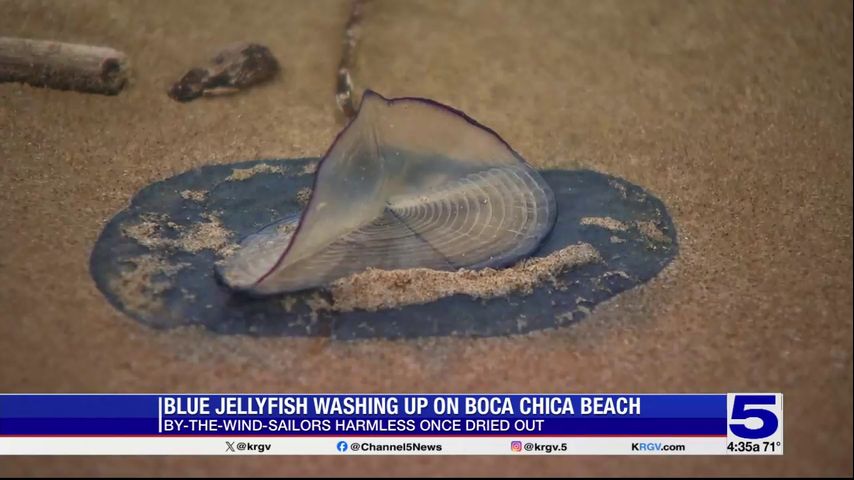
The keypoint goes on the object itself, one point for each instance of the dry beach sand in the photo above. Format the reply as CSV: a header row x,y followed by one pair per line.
x,y
738,115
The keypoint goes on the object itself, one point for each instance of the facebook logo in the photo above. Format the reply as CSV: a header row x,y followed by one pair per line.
x,y
342,446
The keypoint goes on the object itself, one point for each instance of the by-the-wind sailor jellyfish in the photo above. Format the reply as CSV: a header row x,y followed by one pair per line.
x,y
408,183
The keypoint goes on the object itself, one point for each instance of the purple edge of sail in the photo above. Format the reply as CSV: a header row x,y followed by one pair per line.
x,y
389,101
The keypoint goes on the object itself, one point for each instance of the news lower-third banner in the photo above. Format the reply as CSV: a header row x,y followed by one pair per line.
x,y
412,424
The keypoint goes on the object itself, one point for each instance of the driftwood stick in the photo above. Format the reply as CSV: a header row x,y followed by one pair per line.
x,y
63,66
344,85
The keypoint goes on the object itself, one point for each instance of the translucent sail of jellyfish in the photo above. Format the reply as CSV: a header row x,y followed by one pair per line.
x,y
408,183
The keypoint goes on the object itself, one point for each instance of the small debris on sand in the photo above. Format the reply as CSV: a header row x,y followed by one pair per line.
x,y
139,288
209,234
240,174
379,289
147,232
303,196
234,68
194,195
651,231
288,303
317,303
616,273
605,222
310,168
619,186
564,318
287,227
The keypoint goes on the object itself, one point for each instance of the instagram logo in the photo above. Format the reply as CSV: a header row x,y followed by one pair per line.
x,y
516,446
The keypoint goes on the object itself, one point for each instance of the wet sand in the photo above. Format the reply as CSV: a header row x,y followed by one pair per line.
x,y
738,115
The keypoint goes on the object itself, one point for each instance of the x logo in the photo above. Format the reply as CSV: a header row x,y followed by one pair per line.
x,y
229,446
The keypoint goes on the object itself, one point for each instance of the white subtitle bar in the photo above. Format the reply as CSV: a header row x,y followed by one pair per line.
x,y
238,445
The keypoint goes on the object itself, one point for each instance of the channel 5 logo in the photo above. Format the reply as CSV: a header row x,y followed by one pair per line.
x,y
755,416
515,446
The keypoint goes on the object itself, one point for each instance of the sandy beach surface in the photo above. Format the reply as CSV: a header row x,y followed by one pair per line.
x,y
738,115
